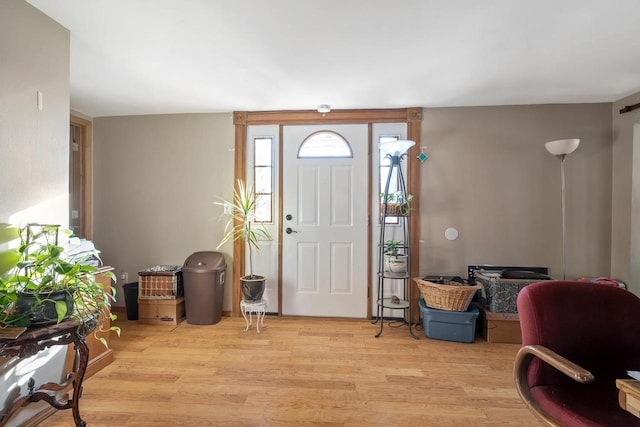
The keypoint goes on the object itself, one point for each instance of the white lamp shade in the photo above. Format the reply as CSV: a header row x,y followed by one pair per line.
x,y
562,146
396,148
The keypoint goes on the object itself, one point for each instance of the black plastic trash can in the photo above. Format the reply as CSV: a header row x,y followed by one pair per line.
x,y
203,275
131,300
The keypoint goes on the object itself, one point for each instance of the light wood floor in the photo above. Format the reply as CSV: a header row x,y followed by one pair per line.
x,y
299,372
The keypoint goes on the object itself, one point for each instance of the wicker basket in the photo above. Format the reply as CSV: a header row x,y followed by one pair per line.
x,y
395,209
453,296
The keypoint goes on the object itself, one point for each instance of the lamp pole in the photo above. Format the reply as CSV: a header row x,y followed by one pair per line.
x,y
560,148
564,220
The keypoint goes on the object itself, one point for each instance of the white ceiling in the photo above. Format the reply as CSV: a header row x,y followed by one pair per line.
x,y
175,56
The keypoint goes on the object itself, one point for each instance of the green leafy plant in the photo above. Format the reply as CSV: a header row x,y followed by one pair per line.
x,y
392,247
397,202
241,224
395,260
42,269
396,197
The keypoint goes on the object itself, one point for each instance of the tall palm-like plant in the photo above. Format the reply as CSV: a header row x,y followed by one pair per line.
x,y
241,224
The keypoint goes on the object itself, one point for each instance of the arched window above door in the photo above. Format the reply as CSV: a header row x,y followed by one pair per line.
x,y
324,144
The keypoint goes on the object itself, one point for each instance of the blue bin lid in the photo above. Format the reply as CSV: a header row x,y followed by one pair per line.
x,y
473,309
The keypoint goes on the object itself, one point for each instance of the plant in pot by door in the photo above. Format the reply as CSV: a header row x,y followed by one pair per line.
x,y
241,225
396,204
44,285
395,262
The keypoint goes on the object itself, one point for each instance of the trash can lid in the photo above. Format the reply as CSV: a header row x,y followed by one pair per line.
x,y
205,261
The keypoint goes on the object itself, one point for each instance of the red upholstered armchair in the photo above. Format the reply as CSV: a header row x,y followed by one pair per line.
x,y
577,338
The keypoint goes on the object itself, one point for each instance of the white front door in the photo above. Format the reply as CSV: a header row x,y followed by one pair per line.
x,y
324,255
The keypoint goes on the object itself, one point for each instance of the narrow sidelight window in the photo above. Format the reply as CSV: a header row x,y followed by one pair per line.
x,y
384,165
263,178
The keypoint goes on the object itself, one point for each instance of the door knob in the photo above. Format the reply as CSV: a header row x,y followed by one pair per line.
x,y
289,217
289,230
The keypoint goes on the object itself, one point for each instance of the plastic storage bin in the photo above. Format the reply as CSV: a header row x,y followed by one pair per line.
x,y
204,274
459,326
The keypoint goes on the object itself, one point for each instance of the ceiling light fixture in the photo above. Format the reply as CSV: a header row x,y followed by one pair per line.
x,y
324,109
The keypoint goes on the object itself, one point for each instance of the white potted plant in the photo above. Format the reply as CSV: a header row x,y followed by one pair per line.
x,y
241,225
395,261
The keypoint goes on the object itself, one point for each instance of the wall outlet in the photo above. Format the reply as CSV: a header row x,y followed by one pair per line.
x,y
124,277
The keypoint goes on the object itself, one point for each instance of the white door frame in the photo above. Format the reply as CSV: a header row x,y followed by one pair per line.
x,y
243,119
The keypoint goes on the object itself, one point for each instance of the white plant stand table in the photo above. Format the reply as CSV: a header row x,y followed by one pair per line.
x,y
258,307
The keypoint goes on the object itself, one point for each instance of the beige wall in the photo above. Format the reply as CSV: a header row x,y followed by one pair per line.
x,y
34,56
625,229
156,179
490,176
34,157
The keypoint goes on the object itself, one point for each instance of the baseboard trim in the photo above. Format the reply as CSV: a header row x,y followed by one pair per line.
x,y
99,362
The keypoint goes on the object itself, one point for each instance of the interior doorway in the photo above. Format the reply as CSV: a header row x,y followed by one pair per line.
x,y
80,177
634,273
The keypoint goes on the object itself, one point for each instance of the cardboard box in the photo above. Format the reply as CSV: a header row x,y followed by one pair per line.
x,y
161,311
459,326
499,327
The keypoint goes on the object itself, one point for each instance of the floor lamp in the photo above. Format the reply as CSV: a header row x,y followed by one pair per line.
x,y
561,148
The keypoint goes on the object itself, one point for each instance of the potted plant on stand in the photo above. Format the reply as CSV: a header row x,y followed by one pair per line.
x,y
396,203
44,285
241,225
395,262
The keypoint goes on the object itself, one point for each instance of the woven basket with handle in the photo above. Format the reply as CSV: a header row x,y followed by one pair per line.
x,y
452,296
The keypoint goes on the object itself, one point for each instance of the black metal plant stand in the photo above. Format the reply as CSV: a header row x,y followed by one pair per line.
x,y
401,302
